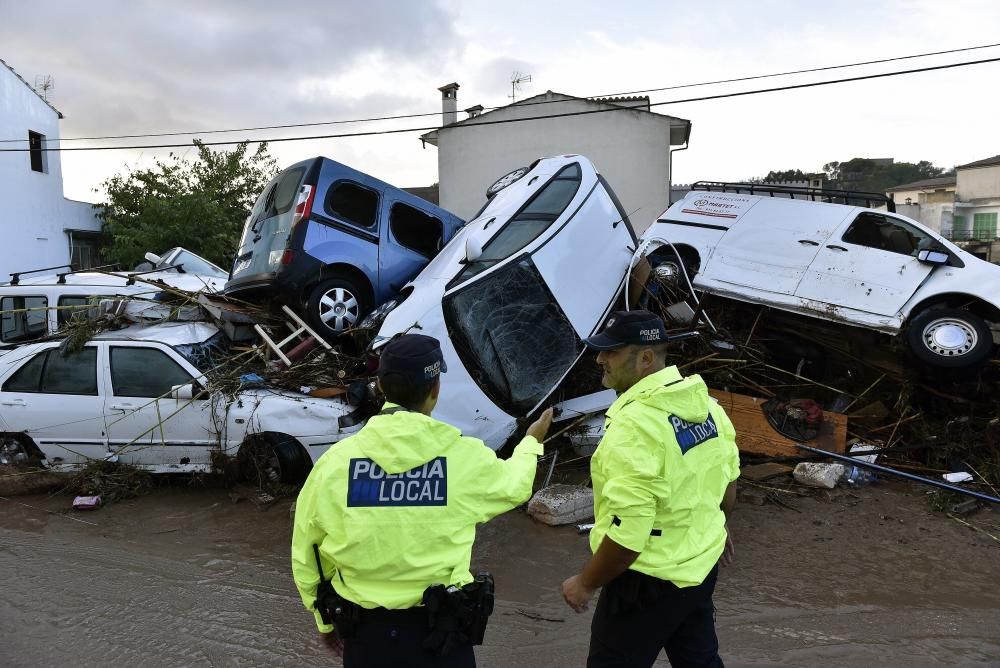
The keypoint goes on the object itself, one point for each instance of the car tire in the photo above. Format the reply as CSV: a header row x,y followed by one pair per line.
x,y
269,459
670,268
336,305
950,338
506,180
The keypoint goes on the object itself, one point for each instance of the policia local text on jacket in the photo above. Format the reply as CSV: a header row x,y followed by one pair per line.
x,y
394,509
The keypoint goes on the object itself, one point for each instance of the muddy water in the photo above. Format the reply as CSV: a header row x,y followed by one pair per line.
x,y
187,577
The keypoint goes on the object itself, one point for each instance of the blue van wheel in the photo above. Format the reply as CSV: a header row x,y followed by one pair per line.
x,y
337,305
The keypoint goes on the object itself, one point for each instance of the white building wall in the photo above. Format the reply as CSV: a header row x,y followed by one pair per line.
x,y
629,148
978,183
35,215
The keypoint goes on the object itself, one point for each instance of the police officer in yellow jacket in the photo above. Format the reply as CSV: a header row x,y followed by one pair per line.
x,y
664,480
388,517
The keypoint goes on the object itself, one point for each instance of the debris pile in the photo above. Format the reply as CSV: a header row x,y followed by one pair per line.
x,y
808,371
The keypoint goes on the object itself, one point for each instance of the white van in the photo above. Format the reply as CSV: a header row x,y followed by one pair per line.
x,y
851,264
32,306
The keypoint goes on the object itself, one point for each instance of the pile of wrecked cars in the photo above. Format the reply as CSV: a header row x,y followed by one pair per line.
x,y
510,294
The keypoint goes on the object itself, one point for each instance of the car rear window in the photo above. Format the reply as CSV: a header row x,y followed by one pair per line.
x,y
352,203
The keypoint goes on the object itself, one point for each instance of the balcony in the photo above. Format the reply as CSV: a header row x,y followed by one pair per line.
x,y
981,236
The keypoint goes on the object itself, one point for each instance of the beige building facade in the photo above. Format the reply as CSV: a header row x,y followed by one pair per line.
x,y
631,146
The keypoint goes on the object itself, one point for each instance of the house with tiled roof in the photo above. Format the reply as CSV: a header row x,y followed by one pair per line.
x,y
977,207
39,226
632,146
929,201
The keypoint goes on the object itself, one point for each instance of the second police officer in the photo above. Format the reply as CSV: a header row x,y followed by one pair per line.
x,y
385,523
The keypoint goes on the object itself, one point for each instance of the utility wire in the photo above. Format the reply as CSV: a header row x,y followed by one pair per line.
x,y
478,123
523,104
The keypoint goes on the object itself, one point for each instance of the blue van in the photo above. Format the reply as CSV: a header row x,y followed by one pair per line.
x,y
333,242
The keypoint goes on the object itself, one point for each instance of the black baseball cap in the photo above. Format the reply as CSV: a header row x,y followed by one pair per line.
x,y
414,357
626,328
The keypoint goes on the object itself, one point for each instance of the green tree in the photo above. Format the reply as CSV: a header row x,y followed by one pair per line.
x,y
200,204
878,175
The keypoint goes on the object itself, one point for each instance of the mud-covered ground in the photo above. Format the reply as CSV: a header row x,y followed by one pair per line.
x,y
188,577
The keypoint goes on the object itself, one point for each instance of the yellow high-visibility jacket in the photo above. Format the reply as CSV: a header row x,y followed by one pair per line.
x,y
394,509
659,474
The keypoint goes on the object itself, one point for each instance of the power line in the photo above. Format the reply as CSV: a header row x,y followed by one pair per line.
x,y
478,123
523,104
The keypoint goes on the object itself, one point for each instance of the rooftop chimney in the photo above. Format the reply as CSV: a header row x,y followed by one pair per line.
x,y
474,111
449,103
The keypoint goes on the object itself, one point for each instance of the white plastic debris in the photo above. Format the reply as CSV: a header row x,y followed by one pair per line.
x,y
562,504
961,476
813,474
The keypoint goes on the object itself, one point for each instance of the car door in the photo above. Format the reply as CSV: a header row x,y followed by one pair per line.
x,y
146,425
58,401
772,245
413,239
869,265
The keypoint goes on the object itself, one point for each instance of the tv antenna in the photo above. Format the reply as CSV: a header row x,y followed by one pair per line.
x,y
516,79
43,84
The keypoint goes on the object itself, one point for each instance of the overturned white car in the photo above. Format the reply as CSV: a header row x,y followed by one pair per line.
x,y
851,264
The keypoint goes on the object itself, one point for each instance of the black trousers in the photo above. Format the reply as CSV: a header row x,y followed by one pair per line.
x,y
637,616
385,644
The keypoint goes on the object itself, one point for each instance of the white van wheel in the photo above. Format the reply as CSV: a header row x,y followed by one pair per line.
x,y
950,338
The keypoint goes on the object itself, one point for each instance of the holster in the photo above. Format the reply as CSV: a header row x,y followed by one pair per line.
x,y
337,610
458,616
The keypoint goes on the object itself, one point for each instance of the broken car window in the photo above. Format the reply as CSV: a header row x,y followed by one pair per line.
x,y
512,336
144,372
543,209
416,230
352,203
888,234
206,355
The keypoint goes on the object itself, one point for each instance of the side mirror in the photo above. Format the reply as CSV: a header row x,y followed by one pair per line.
x,y
933,257
186,392
473,249
152,257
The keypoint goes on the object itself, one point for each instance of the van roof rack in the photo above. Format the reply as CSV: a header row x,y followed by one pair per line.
x,y
15,277
849,197
104,267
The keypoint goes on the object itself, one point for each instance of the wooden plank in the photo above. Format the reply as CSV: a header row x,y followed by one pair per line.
x,y
766,471
755,435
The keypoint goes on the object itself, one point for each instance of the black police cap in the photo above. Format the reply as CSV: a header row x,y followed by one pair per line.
x,y
626,328
414,357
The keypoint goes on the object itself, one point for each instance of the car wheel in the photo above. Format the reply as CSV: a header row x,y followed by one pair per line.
x,y
505,180
669,271
270,459
950,338
336,305
13,451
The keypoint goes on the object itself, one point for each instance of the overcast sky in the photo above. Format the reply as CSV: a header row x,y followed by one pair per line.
x,y
144,66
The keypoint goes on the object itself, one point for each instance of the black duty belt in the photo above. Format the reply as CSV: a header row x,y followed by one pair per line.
x,y
407,616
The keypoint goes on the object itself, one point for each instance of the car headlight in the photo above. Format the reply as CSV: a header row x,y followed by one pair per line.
x,y
378,315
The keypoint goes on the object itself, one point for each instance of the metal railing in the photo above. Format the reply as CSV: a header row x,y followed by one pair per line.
x,y
971,235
